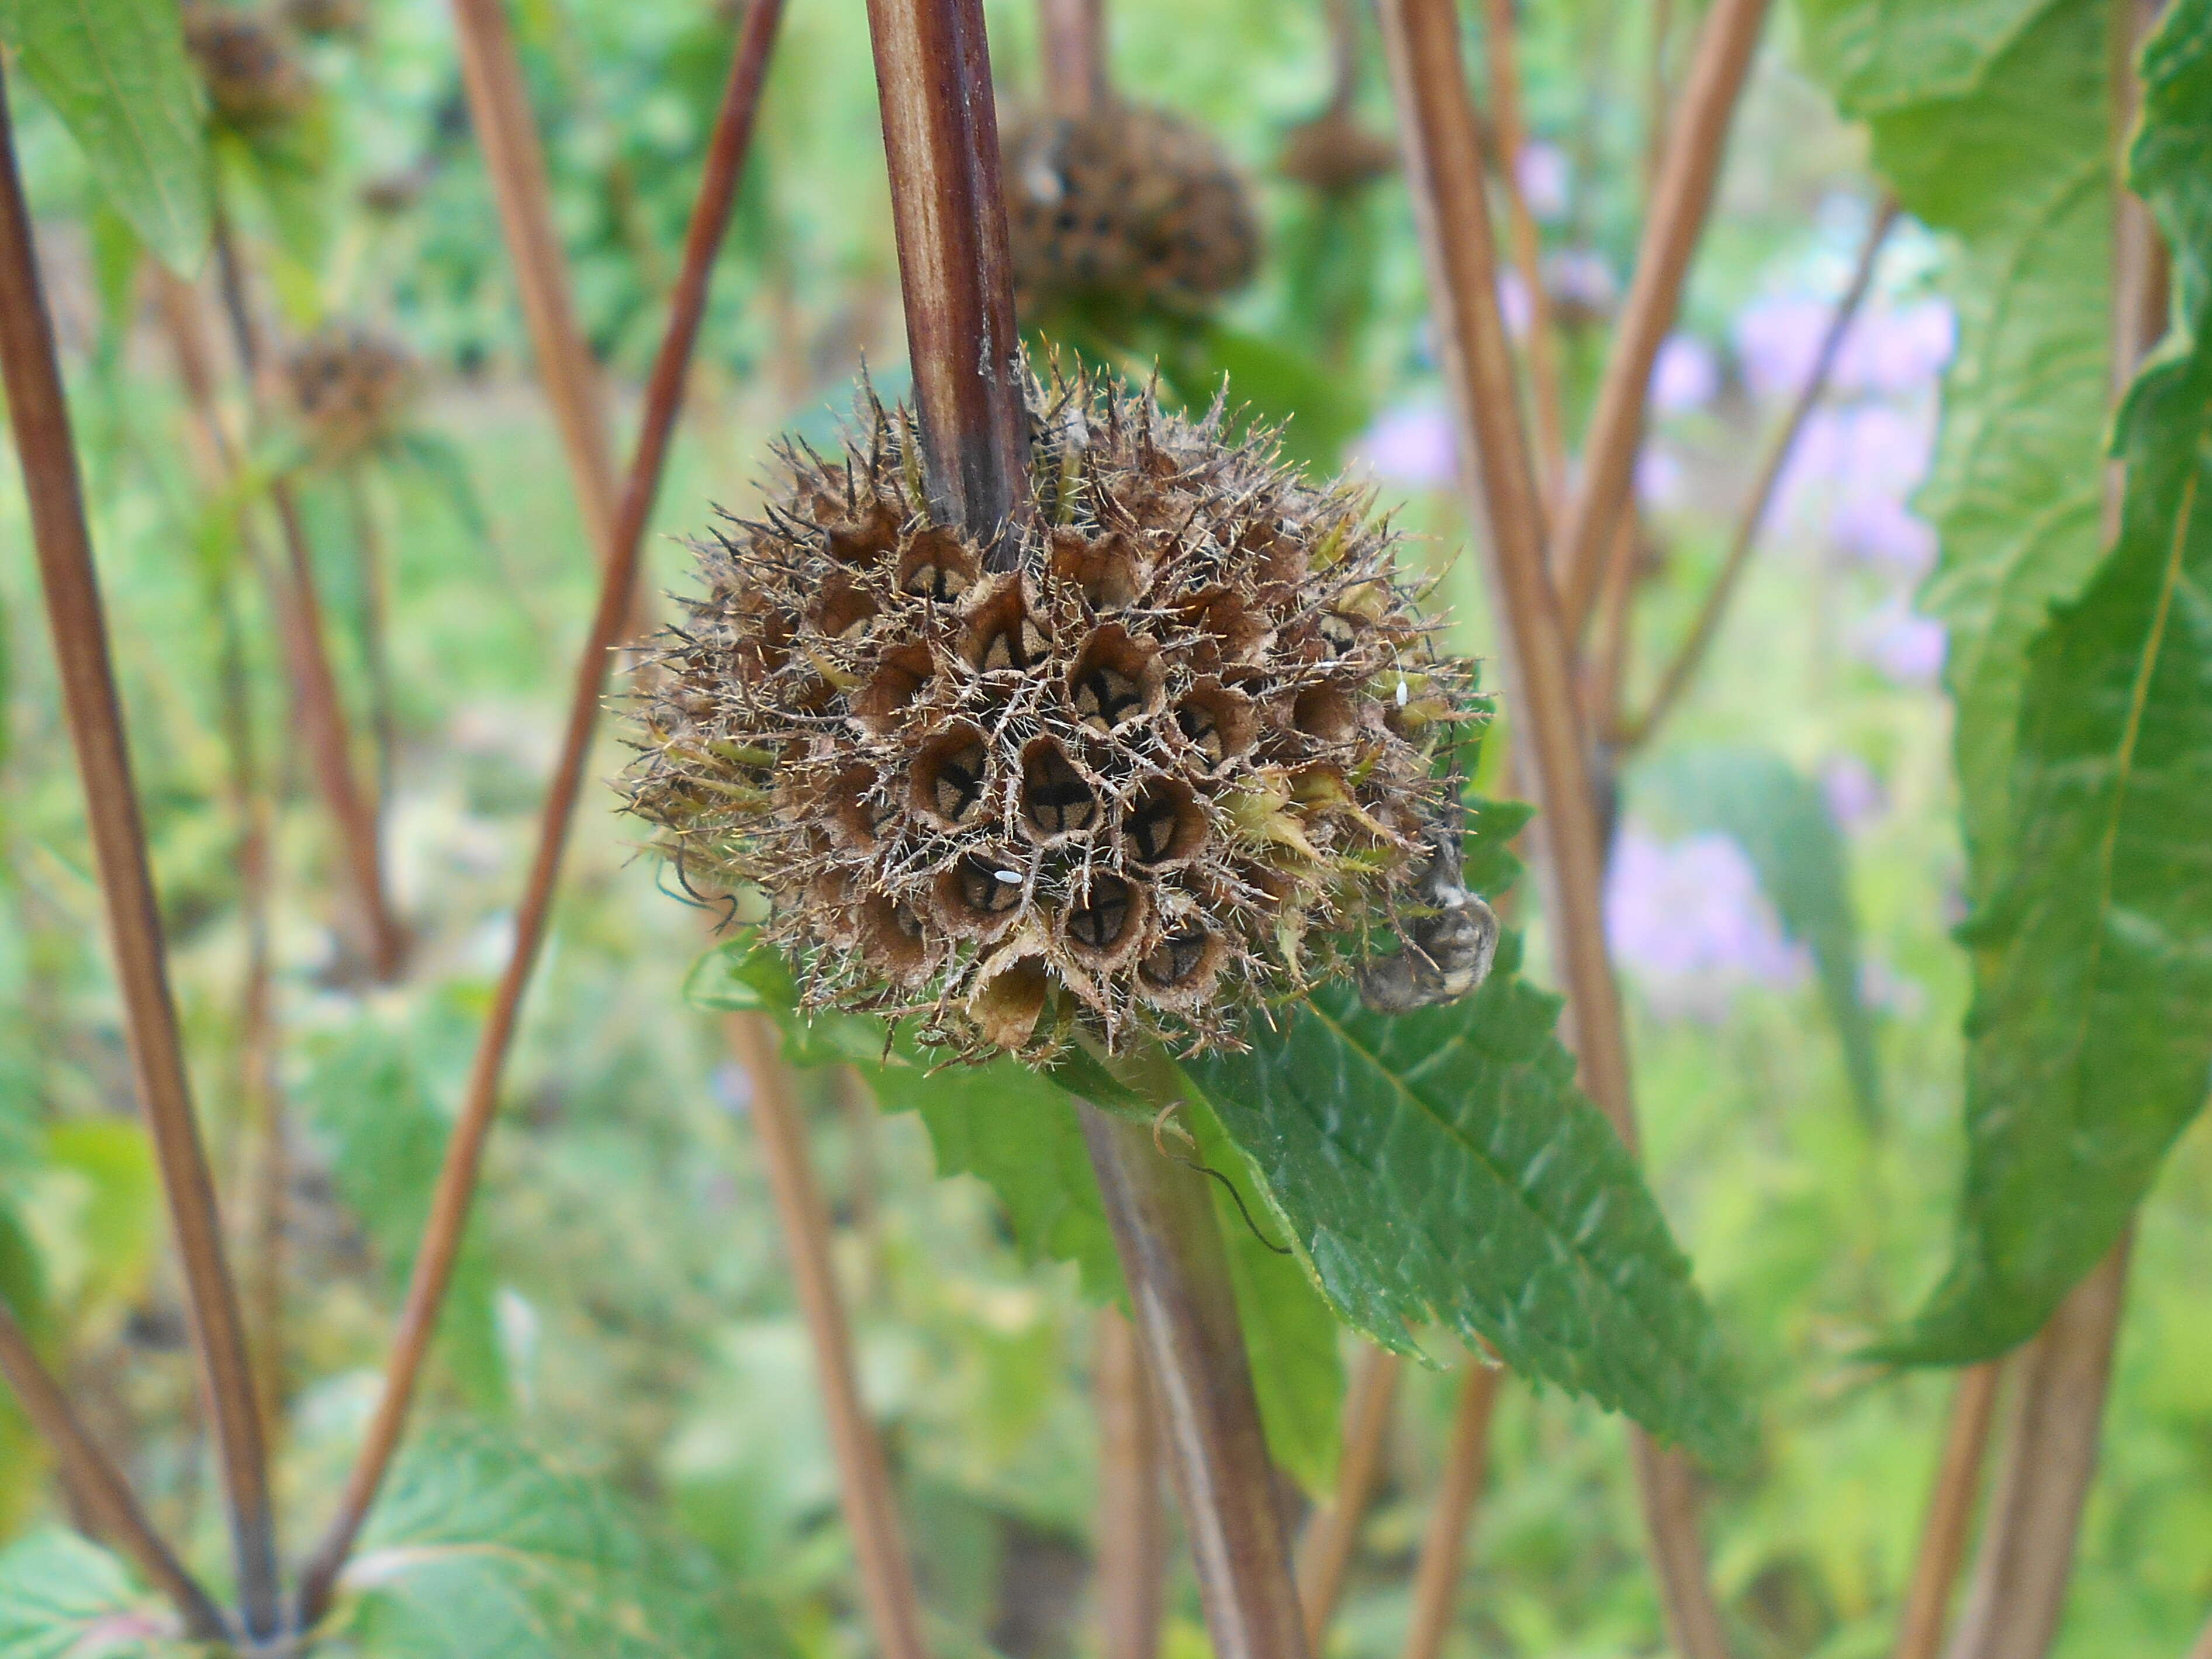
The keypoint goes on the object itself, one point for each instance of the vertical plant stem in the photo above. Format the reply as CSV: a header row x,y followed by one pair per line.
x,y
941,143
871,1506
39,412
1332,1536
1501,35
2027,1554
1133,1541
1443,1549
1691,165
1177,1271
298,601
2201,1647
1682,668
1606,670
96,1486
1074,37
1444,159
376,630
499,109
663,395
1950,1514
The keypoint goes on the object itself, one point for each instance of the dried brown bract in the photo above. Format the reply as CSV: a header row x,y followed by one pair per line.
x,y
1185,758
348,385
1127,205
1332,155
254,78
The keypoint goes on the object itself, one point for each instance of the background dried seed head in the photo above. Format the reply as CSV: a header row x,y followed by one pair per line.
x,y
253,74
1186,754
1127,205
349,385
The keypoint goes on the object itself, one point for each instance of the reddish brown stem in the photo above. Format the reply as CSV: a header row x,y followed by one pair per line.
x,y
96,1487
1687,172
499,109
1177,1271
1133,1543
1443,159
2027,1554
1500,39
1333,1536
1074,35
457,1178
1435,1581
1950,1514
39,412
871,1505
941,143
1683,667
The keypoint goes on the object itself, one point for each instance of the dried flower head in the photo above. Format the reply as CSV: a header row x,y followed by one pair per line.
x,y
349,385
254,79
327,17
1126,204
1184,751
1333,155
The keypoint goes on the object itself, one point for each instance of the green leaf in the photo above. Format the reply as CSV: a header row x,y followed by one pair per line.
x,y
1316,412
103,1167
1442,1166
387,1140
116,73
480,1549
2019,170
62,1598
1781,820
1877,55
1290,1330
2090,1041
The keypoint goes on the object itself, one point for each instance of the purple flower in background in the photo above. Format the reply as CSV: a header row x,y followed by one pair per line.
x,y
1658,477
1892,350
1580,278
1687,919
1777,340
1850,474
1882,530
1413,444
1514,303
1685,376
1904,647
1546,179
1855,795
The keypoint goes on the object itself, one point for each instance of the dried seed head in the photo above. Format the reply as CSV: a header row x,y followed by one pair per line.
x,y
1126,204
1332,155
1158,771
348,385
327,17
254,79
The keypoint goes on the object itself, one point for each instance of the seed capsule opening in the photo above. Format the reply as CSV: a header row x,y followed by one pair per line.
x,y
894,935
881,705
1058,801
1105,926
1104,569
857,813
1218,723
864,539
972,900
844,610
937,565
1115,679
1164,825
1181,968
949,779
1001,635
1325,713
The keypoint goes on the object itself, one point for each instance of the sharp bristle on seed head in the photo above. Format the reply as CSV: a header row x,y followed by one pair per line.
x,y
1156,774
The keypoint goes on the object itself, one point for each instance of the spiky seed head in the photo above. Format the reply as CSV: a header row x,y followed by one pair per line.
x,y
1333,155
1126,204
254,78
1182,756
349,385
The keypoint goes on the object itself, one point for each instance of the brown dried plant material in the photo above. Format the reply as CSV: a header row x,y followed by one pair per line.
x,y
327,18
1333,155
1126,204
1189,755
348,385
254,77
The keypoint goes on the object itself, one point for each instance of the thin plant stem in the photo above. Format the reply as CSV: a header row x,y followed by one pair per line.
x,y
1682,668
1073,32
376,630
1132,1540
298,601
1443,1548
457,1178
97,1487
2026,1553
1501,38
1177,1270
1607,669
39,412
515,158
1444,166
1332,1536
1951,1504
1688,170
871,1504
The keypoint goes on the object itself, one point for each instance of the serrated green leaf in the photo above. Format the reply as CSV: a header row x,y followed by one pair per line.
x,y
2090,1042
2020,171
481,1549
63,1598
387,1141
1781,820
116,73
1442,1166
1879,55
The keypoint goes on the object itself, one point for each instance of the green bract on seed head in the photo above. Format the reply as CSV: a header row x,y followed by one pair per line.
x,y
1180,754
